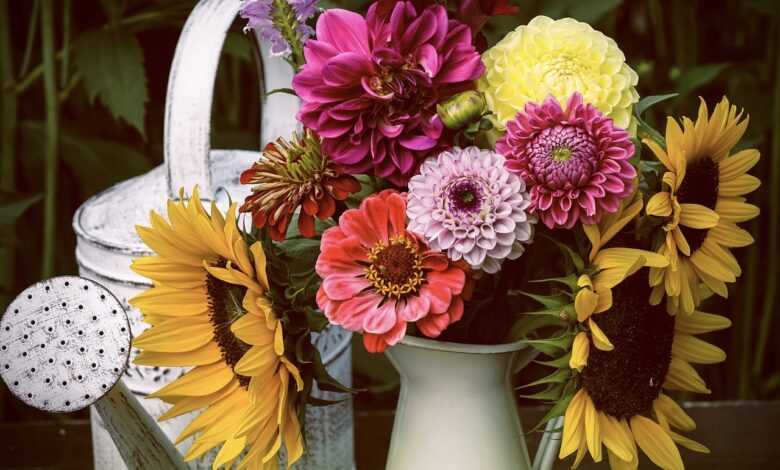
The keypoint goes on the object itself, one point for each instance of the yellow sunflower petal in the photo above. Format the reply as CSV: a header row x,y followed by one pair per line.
x,y
712,266
200,381
660,205
671,411
229,452
682,376
656,443
616,463
176,335
184,405
689,444
736,210
208,354
252,330
592,430
738,164
259,360
698,216
213,413
614,439
739,186
696,351
260,263
585,303
659,152
579,351
600,340
730,235
605,300
700,322
573,428
293,440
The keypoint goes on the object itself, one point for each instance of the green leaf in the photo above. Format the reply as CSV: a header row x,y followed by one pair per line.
x,y
697,76
575,258
645,130
112,64
558,377
13,205
551,393
562,361
314,401
552,345
316,320
649,101
523,327
550,302
95,163
558,409
570,281
327,382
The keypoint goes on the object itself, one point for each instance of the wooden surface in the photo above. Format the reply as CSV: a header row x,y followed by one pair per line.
x,y
741,434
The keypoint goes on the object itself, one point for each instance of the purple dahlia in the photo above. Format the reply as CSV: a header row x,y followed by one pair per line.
x,y
465,202
370,85
575,160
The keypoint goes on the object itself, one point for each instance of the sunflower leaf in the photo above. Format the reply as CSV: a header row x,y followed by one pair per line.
x,y
560,376
649,101
551,393
327,382
562,361
558,409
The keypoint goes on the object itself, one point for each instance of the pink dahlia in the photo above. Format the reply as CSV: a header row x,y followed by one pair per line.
x,y
370,85
467,203
574,160
377,276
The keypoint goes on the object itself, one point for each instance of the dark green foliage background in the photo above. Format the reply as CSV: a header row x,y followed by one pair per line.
x,y
111,75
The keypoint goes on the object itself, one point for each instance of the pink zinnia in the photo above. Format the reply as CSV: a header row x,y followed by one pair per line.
x,y
370,85
377,277
576,161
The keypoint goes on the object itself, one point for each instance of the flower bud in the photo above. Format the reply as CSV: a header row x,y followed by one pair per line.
x,y
462,109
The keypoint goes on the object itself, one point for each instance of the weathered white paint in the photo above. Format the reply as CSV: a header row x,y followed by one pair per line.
x,y
107,241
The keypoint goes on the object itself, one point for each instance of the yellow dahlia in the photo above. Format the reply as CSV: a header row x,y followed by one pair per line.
x,y
703,200
558,57
620,400
607,268
209,311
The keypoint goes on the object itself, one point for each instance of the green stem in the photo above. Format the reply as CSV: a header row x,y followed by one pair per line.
x,y
656,17
773,219
32,32
66,23
52,138
8,124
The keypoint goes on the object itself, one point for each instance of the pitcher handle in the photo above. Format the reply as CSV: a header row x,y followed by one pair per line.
x,y
191,91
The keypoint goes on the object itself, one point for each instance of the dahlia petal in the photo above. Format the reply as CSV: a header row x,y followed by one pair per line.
x,y
346,69
345,30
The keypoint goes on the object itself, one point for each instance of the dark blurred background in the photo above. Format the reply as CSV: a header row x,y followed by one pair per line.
x,y
107,62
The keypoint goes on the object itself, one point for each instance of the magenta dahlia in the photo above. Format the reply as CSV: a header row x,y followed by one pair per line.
x,y
575,160
370,85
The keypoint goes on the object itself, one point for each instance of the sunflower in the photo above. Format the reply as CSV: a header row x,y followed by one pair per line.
x,y
703,201
607,268
209,310
620,401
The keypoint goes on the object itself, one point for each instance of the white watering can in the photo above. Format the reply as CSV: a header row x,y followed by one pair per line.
x,y
107,241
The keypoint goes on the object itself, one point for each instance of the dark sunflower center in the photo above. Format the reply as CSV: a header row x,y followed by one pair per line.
x,y
624,382
700,186
395,268
225,308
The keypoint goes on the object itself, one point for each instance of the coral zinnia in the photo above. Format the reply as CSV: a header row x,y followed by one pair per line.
x,y
558,57
377,276
703,201
370,85
466,203
620,402
575,160
208,311
292,174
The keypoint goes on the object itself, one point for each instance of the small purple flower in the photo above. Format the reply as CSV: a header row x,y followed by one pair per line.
x,y
260,16
465,202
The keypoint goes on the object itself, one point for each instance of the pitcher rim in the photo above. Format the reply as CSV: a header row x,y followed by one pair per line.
x,y
466,348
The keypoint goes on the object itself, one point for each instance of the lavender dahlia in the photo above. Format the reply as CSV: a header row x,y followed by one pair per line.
x,y
575,160
465,202
370,85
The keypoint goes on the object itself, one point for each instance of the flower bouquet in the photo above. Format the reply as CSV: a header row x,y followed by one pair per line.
x,y
441,193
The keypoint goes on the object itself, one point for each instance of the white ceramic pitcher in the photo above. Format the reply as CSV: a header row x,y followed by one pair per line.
x,y
457,408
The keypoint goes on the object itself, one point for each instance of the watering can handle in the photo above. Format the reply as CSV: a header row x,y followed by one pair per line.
x,y
191,91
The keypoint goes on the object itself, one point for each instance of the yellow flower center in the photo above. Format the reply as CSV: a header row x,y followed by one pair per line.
x,y
395,268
